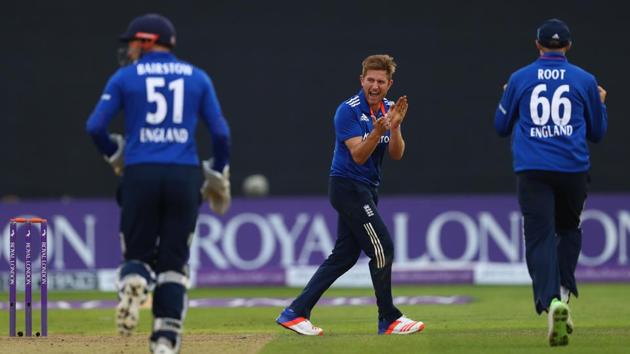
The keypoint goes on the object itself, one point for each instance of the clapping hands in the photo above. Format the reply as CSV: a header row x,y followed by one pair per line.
x,y
397,112
381,125
394,117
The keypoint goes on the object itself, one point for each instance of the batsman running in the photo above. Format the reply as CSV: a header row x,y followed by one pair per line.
x,y
366,127
161,185
551,108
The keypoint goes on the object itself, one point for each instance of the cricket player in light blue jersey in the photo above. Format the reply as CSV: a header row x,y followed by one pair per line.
x,y
552,108
161,186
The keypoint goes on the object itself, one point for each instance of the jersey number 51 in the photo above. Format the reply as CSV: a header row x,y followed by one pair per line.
x,y
177,86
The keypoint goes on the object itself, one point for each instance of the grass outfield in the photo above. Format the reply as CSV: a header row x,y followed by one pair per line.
x,y
500,319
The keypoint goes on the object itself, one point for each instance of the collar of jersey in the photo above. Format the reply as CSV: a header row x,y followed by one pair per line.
x,y
365,108
156,56
553,56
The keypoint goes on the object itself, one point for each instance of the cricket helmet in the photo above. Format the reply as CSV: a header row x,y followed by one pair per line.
x,y
151,27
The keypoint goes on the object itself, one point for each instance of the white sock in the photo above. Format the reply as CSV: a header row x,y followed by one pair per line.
x,y
564,294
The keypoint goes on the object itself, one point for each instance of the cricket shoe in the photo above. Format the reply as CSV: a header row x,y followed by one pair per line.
x,y
558,323
132,295
300,325
565,296
402,325
162,346
570,325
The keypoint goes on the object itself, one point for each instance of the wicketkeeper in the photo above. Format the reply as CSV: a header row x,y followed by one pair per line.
x,y
161,184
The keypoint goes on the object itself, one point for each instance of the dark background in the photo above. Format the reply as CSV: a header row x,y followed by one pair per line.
x,y
281,69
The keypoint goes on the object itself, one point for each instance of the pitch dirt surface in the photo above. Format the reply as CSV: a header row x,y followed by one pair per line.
x,y
72,343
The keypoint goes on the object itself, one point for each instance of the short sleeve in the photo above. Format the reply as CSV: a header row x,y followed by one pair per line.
x,y
346,123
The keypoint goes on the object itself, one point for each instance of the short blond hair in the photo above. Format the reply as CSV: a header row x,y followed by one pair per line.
x,y
379,62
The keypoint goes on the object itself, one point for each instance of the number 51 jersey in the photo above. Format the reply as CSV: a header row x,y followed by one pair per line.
x,y
161,97
551,108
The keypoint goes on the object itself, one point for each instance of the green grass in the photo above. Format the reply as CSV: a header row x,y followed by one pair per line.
x,y
501,319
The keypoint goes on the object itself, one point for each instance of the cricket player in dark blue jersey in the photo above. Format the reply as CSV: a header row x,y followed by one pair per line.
x,y
366,126
551,108
161,185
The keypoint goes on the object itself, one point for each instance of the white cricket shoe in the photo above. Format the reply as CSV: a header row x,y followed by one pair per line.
x,y
289,320
402,325
162,346
132,295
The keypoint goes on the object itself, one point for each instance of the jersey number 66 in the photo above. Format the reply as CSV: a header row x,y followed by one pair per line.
x,y
550,109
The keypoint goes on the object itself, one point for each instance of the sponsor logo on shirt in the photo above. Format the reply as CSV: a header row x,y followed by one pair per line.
x,y
383,140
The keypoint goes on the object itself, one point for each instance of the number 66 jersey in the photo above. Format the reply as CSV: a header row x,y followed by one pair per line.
x,y
551,107
162,98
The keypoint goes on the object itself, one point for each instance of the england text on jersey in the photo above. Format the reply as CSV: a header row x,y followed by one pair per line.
x,y
164,135
549,131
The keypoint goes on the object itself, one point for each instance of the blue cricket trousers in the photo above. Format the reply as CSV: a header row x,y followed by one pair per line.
x,y
551,204
359,228
159,206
